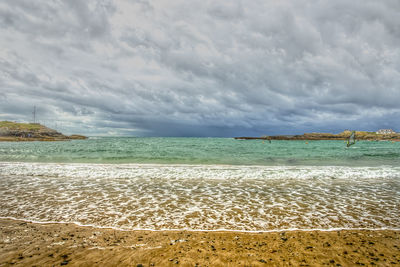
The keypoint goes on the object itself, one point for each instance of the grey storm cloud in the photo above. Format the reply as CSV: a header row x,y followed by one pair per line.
x,y
201,68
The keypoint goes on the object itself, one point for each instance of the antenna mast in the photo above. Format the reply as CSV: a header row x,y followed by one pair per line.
x,y
34,114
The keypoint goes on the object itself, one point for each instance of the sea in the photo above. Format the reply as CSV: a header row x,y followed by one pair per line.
x,y
202,184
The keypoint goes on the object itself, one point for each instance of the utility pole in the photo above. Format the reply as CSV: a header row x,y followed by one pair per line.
x,y
34,114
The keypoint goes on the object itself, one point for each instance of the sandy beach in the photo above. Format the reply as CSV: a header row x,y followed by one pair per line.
x,y
32,244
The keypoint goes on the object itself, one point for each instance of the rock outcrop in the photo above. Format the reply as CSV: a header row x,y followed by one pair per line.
x,y
360,135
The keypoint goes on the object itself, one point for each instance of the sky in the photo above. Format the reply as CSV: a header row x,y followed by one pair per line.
x,y
201,67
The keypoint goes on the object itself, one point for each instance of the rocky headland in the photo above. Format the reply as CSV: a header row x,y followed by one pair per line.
x,y
13,131
360,135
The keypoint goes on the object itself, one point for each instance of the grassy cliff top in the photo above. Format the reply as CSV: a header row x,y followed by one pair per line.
x,y
20,126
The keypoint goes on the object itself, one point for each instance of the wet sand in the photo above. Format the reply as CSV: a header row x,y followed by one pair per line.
x,y
32,244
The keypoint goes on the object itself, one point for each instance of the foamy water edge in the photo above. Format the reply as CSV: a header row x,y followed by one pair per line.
x,y
162,197
204,230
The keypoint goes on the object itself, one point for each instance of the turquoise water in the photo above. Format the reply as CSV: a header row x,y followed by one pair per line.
x,y
204,151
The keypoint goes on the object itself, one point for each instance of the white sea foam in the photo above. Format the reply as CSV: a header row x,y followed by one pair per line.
x,y
111,171
202,197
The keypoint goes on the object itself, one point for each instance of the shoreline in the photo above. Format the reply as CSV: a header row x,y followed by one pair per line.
x,y
201,230
47,244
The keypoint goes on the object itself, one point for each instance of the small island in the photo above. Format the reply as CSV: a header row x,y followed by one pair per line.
x,y
14,131
360,135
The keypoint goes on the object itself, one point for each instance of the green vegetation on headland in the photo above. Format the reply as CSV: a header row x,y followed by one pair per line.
x,y
14,131
360,135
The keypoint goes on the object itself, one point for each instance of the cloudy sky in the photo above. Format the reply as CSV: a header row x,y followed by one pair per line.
x,y
201,67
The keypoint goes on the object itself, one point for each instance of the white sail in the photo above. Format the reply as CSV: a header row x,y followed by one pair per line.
x,y
352,139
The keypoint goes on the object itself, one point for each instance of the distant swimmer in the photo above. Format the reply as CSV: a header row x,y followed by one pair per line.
x,y
306,143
